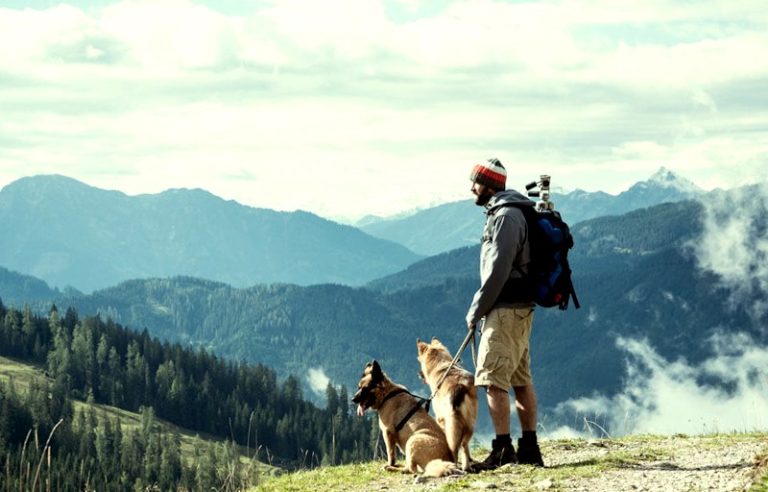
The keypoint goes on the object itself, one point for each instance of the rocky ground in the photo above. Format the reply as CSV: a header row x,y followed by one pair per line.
x,y
672,464
680,463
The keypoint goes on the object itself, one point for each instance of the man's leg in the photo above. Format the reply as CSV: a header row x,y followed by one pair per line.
x,y
502,452
498,355
528,451
526,407
499,408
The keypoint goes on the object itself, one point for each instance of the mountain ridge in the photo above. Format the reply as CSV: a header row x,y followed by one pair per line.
x,y
68,233
457,224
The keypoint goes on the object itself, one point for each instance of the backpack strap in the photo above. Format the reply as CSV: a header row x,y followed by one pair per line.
x,y
573,294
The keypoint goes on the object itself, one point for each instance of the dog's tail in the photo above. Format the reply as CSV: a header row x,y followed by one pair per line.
x,y
458,394
441,468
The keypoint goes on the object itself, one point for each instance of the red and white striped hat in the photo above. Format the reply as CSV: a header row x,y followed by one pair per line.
x,y
492,175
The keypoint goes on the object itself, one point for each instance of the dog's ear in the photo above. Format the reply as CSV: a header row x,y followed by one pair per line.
x,y
421,346
437,343
375,369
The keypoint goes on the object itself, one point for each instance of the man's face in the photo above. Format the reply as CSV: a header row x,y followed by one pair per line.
x,y
482,193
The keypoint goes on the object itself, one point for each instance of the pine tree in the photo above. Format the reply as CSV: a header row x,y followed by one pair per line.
x,y
60,357
344,402
13,333
131,453
114,382
102,369
82,359
105,443
28,330
332,400
205,471
170,462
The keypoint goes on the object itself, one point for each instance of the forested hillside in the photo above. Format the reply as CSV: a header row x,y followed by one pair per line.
x,y
100,361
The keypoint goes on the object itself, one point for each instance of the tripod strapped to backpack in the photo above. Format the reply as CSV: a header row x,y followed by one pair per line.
x,y
548,279
543,205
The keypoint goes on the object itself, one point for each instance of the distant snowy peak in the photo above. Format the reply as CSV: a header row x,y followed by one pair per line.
x,y
664,178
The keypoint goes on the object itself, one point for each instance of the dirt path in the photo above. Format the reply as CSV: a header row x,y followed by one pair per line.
x,y
717,463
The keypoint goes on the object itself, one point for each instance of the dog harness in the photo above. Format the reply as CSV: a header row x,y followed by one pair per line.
x,y
421,401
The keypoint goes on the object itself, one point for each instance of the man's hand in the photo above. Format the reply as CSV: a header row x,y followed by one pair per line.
x,y
470,326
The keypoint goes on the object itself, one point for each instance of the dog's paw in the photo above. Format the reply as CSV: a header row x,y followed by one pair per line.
x,y
393,468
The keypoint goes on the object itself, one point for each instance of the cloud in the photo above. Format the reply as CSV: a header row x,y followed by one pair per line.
x,y
318,380
726,393
734,246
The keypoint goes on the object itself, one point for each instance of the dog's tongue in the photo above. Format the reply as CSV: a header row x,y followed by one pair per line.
x,y
360,410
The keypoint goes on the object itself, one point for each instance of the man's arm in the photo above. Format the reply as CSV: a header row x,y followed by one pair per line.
x,y
508,236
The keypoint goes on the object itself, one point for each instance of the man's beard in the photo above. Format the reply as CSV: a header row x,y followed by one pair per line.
x,y
483,198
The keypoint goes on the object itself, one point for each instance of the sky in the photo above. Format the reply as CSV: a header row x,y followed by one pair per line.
x,y
353,107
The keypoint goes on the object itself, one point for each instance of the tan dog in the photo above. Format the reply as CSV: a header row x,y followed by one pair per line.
x,y
455,402
420,438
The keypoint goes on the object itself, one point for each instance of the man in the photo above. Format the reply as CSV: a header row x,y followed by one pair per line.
x,y
504,302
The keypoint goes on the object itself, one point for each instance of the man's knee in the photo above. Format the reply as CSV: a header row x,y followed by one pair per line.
x,y
495,391
524,389
525,398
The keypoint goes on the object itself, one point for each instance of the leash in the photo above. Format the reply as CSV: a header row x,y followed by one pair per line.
x,y
474,345
470,337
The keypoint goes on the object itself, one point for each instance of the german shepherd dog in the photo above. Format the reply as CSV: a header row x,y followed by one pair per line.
x,y
419,437
455,402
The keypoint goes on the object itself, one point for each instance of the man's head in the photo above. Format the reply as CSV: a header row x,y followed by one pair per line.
x,y
487,179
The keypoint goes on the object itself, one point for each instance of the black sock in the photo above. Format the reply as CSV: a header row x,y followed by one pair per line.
x,y
529,437
503,440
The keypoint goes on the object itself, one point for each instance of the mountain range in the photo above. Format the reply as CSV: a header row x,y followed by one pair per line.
x,y
634,274
71,234
453,225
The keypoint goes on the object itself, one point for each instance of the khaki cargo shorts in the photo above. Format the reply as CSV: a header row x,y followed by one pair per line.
x,y
503,359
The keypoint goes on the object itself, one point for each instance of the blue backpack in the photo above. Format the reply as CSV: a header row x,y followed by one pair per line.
x,y
548,282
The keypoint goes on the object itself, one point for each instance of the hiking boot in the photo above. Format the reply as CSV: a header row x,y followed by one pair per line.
x,y
500,455
529,453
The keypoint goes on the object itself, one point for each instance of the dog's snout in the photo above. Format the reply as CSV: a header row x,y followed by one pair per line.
x,y
356,396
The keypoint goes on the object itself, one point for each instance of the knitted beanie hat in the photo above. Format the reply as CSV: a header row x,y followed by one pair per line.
x,y
492,175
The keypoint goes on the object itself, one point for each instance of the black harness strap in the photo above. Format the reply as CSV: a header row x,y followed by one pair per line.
x,y
411,412
393,394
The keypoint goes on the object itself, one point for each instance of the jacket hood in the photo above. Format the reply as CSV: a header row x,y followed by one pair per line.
x,y
507,197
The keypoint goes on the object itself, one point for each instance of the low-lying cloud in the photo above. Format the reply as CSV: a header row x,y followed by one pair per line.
x,y
318,380
725,393
734,246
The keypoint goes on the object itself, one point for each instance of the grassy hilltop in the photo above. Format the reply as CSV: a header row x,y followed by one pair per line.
x,y
652,463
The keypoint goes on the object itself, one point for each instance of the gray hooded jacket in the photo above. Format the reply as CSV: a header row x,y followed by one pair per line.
x,y
504,253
